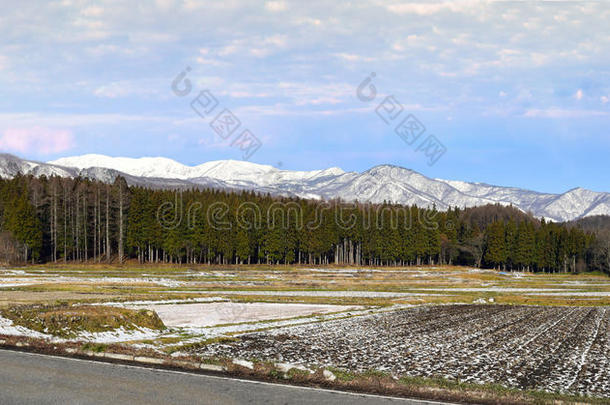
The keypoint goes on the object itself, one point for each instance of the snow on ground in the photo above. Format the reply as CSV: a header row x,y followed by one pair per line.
x,y
137,304
120,335
213,274
576,293
309,293
8,328
15,282
417,271
12,272
495,289
199,333
197,317
557,349
53,279
166,282
220,313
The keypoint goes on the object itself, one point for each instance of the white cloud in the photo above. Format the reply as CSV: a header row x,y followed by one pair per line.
x,y
230,49
246,94
275,40
194,5
50,120
289,110
260,52
152,37
92,11
202,60
108,49
276,6
127,88
430,8
578,95
555,112
352,57
435,52
37,140
308,21
322,100
165,4
92,25
112,90
259,47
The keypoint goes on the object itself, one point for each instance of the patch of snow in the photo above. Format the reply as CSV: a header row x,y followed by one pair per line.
x,y
118,335
220,313
7,327
286,367
576,294
494,289
328,375
243,363
309,293
160,302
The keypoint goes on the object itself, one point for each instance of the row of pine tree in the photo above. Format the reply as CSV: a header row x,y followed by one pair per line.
x,y
59,219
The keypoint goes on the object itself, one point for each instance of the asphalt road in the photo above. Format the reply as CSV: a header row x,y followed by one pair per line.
x,y
27,378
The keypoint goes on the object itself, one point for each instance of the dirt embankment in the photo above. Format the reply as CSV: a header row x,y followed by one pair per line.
x,y
69,320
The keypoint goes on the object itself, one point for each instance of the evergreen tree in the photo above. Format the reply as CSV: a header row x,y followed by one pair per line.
x,y
76,219
496,253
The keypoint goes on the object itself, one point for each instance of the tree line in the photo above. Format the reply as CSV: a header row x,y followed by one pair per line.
x,y
51,219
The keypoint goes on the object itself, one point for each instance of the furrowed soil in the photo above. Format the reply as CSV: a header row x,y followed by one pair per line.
x,y
555,349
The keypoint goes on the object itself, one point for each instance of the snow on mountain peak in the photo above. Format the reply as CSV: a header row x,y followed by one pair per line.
x,y
160,167
145,167
378,184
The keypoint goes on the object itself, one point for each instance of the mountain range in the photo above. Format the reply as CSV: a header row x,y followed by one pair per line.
x,y
378,184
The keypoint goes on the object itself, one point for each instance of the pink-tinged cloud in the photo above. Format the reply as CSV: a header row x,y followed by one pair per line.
x,y
36,140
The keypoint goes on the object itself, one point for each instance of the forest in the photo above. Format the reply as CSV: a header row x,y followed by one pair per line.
x,y
78,220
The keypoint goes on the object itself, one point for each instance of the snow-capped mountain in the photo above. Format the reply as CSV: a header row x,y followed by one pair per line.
x,y
224,170
381,183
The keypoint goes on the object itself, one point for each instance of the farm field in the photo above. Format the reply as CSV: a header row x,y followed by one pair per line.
x,y
541,332
558,349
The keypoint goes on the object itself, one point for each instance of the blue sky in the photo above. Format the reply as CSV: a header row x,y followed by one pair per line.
x,y
518,93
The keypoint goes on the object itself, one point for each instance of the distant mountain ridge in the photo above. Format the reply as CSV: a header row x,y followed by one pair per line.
x,y
381,183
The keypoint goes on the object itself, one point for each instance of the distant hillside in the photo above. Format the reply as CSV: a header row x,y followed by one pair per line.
x,y
597,223
384,183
